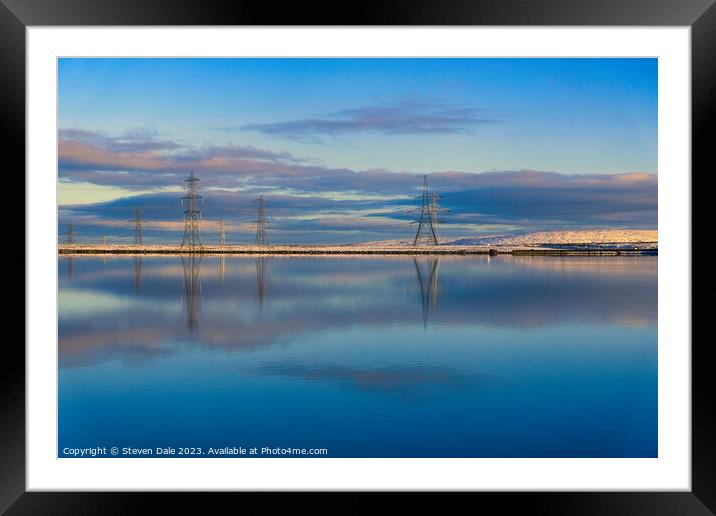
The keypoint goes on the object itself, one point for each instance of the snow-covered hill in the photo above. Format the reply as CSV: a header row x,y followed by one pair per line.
x,y
592,236
597,237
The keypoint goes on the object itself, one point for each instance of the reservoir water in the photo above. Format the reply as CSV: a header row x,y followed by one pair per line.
x,y
369,356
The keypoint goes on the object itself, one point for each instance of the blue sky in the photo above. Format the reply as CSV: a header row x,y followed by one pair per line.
x,y
355,136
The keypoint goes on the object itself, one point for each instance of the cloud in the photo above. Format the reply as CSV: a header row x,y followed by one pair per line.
x,y
476,204
132,141
311,202
528,198
406,117
135,161
384,378
332,294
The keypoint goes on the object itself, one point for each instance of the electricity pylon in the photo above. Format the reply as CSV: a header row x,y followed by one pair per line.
x,y
138,227
435,213
192,214
70,234
428,220
222,234
261,222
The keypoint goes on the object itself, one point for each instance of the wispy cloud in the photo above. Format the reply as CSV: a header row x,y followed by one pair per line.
x,y
132,141
405,117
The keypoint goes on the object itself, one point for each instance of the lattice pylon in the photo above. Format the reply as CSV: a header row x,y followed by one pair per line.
x,y
427,230
192,214
138,240
261,222
222,234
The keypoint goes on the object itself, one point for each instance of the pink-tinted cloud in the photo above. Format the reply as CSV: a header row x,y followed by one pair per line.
x,y
309,197
99,159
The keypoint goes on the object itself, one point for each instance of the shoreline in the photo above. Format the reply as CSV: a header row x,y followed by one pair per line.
x,y
85,249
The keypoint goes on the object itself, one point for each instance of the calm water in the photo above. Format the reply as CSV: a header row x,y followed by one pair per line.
x,y
364,357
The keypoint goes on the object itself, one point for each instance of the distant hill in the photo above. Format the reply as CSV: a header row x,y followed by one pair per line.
x,y
574,237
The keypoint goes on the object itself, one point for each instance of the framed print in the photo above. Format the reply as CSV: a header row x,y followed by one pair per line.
x,y
439,250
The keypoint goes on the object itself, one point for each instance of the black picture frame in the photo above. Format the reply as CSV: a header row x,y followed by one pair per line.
x,y
16,15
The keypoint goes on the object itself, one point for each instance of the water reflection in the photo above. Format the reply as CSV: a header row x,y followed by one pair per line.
x,y
312,294
261,274
428,281
137,273
403,378
518,356
192,289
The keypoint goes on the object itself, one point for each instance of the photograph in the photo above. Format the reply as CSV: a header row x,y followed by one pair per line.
x,y
357,257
